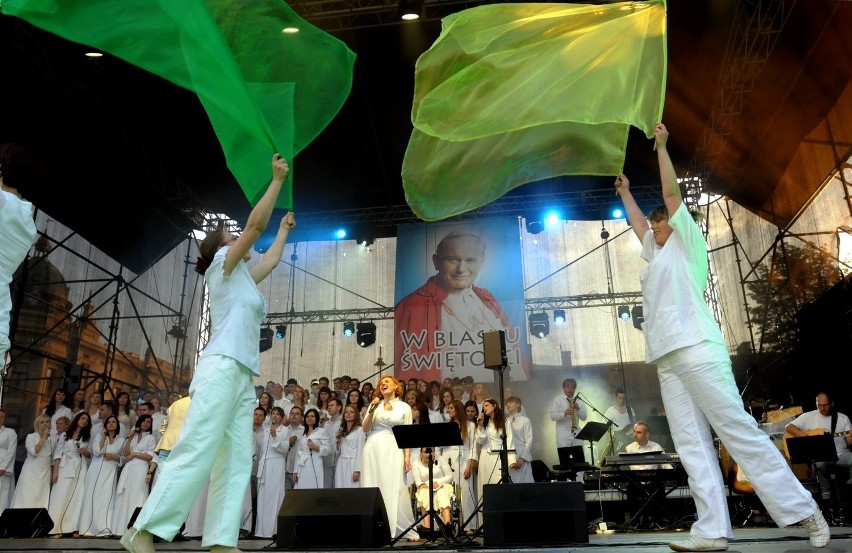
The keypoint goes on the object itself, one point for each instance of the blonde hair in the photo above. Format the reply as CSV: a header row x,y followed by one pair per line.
x,y
40,419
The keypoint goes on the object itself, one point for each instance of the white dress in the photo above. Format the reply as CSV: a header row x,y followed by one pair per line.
x,y
99,490
66,497
309,463
458,456
271,463
33,489
383,467
522,438
8,448
349,458
132,489
490,444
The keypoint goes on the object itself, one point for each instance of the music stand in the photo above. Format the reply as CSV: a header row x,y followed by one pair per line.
x,y
812,450
429,436
592,432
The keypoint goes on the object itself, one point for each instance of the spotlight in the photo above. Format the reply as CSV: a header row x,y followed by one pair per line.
x,y
409,10
552,218
366,334
624,312
559,317
340,234
265,338
348,329
280,332
539,324
534,226
638,317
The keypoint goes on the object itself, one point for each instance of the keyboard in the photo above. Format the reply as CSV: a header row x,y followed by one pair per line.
x,y
628,459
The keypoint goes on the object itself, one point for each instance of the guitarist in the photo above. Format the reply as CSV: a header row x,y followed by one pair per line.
x,y
623,416
825,418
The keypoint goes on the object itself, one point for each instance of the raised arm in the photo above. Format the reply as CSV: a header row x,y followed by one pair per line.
x,y
270,259
635,216
671,188
259,217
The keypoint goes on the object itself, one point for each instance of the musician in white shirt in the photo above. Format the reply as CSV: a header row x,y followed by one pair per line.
x,y
622,416
822,418
645,499
641,444
567,412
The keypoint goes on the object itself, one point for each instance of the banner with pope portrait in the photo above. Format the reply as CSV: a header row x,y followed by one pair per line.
x,y
455,281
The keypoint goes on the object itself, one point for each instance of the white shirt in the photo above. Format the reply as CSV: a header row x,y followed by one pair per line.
x,y
17,234
813,420
673,283
650,447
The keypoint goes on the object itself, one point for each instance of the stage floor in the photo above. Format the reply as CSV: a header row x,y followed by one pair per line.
x,y
753,540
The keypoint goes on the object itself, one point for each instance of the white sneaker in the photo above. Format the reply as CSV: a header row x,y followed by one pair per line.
x,y
695,543
136,541
817,528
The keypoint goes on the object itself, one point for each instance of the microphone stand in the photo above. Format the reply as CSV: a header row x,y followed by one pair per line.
x,y
609,422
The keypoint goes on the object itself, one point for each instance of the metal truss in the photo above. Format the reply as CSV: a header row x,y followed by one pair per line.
x,y
382,221
755,30
329,316
386,313
584,300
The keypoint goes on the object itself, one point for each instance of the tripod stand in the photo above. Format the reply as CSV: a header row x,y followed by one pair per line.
x,y
429,436
494,352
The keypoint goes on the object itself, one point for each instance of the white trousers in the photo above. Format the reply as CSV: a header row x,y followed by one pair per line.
x,y
214,442
699,392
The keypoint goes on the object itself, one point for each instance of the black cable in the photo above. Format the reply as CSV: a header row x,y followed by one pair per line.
x,y
94,487
76,483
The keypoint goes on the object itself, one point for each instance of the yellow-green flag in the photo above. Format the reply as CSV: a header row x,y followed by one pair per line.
x,y
515,93
269,80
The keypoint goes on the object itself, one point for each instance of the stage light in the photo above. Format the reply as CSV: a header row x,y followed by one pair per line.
x,y
638,317
552,218
280,332
348,329
340,234
539,324
617,213
265,338
559,317
366,334
409,10
624,312
534,226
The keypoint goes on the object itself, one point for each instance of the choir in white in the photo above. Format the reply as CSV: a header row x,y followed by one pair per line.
x,y
92,467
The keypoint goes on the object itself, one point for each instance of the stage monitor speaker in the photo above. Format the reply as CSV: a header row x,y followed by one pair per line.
x,y
25,523
541,513
330,518
494,349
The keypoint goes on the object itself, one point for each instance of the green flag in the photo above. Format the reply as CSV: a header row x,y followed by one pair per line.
x,y
269,80
515,93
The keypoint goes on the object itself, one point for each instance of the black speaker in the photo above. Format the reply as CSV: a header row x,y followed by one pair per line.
x,y
494,349
25,523
542,513
328,518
